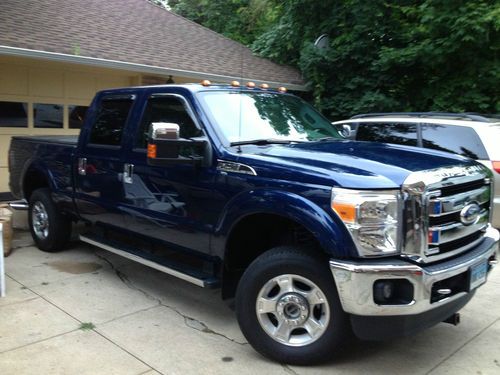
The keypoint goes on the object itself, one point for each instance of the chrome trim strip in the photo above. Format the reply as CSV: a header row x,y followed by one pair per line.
x,y
230,166
455,231
455,203
146,262
354,280
448,254
440,177
21,205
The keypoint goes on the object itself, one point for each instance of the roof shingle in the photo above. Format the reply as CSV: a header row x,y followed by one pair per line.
x,y
133,31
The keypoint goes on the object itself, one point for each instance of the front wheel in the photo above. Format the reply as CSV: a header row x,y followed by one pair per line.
x,y
288,307
50,229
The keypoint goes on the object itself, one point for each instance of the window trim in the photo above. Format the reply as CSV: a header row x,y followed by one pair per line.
x,y
132,98
185,104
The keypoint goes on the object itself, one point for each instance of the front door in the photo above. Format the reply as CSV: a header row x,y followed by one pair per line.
x,y
169,203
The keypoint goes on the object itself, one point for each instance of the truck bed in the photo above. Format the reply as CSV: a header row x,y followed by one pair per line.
x,y
54,152
69,140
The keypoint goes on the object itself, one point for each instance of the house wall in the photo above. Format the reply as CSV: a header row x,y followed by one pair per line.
x,y
38,81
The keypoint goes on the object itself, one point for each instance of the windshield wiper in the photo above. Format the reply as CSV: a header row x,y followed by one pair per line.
x,y
261,142
325,139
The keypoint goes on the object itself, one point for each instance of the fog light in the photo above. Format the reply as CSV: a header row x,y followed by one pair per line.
x,y
393,292
383,291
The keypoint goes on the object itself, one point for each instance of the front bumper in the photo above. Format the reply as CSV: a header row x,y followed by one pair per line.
x,y
495,220
355,280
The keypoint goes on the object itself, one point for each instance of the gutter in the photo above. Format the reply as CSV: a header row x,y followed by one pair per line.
x,y
140,68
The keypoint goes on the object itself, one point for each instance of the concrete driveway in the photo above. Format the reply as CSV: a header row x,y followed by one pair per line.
x,y
85,311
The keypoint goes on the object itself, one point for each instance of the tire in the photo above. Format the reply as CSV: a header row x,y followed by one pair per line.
x,y
50,229
282,280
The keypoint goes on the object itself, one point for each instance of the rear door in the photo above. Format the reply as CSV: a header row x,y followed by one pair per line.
x,y
99,177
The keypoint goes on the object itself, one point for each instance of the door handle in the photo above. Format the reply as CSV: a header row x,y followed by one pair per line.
x,y
82,166
128,172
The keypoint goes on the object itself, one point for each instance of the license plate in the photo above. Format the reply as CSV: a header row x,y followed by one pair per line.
x,y
478,275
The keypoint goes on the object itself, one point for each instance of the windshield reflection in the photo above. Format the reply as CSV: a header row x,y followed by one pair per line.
x,y
247,116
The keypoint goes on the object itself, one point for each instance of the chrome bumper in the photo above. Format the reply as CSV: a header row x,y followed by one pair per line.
x,y
355,280
21,205
495,220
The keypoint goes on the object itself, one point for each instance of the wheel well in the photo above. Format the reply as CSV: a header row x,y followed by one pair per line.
x,y
33,180
254,235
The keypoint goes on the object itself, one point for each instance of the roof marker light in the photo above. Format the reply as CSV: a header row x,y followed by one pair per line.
x,y
264,86
206,82
282,89
235,84
251,85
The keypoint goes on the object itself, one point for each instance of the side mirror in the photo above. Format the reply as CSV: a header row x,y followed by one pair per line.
x,y
344,130
163,130
166,148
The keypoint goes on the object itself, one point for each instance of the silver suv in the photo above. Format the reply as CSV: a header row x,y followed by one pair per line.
x,y
471,135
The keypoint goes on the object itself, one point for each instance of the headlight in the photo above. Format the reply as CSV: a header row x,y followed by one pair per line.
x,y
371,217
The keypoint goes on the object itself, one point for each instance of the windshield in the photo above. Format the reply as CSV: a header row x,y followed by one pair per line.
x,y
248,116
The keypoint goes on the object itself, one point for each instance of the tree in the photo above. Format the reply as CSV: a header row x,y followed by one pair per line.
x,y
161,3
392,56
383,55
240,20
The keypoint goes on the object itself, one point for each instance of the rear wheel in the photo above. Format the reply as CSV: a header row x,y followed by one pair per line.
x,y
50,229
288,307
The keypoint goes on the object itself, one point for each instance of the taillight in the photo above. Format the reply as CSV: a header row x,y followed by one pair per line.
x,y
496,166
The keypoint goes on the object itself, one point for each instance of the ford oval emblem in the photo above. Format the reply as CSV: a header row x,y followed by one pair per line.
x,y
470,214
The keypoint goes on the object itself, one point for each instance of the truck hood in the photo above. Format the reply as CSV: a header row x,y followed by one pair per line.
x,y
349,164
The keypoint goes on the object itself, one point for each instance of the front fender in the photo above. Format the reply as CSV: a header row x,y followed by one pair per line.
x,y
328,229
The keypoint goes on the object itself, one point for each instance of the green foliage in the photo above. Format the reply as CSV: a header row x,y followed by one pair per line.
x,y
383,55
87,326
433,55
240,20
160,3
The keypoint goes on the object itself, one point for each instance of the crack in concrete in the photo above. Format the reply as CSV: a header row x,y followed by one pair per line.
x,y
38,341
289,370
202,327
78,320
189,321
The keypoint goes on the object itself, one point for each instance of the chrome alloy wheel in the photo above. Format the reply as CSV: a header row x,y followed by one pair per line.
x,y
292,310
40,220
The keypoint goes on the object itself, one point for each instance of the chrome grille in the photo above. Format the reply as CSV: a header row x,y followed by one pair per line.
x,y
446,212
446,232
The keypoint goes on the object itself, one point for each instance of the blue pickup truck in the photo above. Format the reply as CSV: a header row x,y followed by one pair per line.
x,y
252,191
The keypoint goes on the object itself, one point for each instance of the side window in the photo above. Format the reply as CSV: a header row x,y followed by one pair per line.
x,y
166,109
110,120
398,133
456,139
